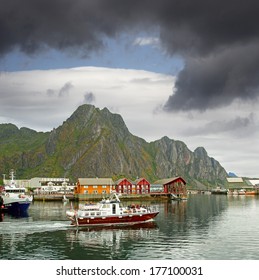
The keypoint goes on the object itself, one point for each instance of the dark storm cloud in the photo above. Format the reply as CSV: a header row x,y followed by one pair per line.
x,y
217,79
32,25
219,40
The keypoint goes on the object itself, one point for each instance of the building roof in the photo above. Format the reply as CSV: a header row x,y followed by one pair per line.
x,y
235,180
95,181
122,179
254,182
168,180
139,180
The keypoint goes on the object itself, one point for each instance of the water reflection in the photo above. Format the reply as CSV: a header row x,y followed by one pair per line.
x,y
13,215
203,227
196,213
114,242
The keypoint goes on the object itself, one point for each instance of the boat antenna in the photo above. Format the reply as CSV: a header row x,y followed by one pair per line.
x,y
12,176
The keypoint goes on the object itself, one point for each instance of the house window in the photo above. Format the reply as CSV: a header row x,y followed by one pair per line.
x,y
86,192
95,192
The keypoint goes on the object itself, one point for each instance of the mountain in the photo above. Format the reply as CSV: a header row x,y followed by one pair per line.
x,y
97,143
231,174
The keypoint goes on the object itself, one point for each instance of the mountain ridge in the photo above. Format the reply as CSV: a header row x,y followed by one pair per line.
x,y
94,142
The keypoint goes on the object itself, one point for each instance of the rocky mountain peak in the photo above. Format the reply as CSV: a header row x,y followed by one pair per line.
x,y
200,152
94,142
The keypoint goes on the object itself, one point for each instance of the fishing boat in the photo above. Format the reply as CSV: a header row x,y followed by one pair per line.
x,y
14,198
251,192
110,212
219,190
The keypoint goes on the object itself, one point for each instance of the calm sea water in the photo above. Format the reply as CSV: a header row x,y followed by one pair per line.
x,y
205,227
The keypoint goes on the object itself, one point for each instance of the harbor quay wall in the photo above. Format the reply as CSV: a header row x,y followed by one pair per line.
x,y
149,196
52,197
98,197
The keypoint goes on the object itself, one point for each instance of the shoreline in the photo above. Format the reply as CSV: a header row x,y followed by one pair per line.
x,y
97,197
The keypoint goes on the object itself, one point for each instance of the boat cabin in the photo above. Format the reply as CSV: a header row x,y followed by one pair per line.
x,y
12,189
106,207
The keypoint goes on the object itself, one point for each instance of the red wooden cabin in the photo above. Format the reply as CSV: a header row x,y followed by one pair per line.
x,y
124,186
142,186
176,185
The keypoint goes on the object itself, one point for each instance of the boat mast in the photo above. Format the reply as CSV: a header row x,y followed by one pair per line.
x,y
12,176
4,178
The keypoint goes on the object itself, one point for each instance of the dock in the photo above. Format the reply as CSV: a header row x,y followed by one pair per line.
x,y
52,197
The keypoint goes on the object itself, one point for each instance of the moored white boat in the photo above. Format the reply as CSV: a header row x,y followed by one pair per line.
x,y
241,192
110,212
14,198
238,192
219,190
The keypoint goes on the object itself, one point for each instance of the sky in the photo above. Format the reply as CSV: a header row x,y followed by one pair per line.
x,y
183,69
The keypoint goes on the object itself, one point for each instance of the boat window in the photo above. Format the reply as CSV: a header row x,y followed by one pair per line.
x,y
105,206
92,213
14,191
113,208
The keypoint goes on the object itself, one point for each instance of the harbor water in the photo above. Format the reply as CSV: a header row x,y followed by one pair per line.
x,y
205,227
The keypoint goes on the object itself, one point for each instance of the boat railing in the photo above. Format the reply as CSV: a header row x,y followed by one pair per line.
x,y
153,208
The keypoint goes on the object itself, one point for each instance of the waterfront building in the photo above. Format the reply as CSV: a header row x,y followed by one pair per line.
x,y
254,183
239,183
139,186
51,185
124,186
175,185
142,186
94,186
236,183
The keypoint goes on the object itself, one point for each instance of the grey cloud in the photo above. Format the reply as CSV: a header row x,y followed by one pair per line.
x,y
50,92
89,98
64,91
237,126
219,40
